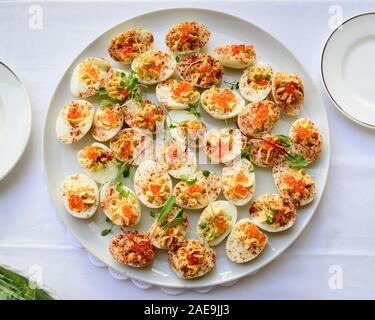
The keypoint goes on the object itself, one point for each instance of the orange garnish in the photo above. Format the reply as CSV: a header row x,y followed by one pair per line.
x,y
75,202
302,132
127,149
279,215
262,81
155,188
185,30
127,49
236,49
223,98
261,116
240,190
74,113
296,184
290,87
91,153
93,73
195,188
182,87
112,117
241,177
128,212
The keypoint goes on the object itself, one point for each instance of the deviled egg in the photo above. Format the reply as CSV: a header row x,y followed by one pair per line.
x,y
266,151
288,92
169,229
191,259
108,121
152,184
239,182
74,121
128,45
294,183
120,204
273,212
144,115
177,94
176,158
132,145
306,139
132,248
222,103
80,196
258,118
201,69
114,85
153,66
99,162
186,128
245,242
224,145
216,222
236,56
187,37
88,76
197,190
256,82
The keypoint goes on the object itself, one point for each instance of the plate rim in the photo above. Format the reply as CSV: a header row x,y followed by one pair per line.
x,y
28,123
335,103
217,282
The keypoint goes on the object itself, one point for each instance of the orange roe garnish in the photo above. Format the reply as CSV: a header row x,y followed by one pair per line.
x,y
75,202
296,184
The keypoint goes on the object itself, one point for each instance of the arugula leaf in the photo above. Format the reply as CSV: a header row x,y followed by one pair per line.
x,y
122,190
185,178
106,232
108,101
245,152
234,85
102,91
193,109
295,160
206,173
166,209
284,140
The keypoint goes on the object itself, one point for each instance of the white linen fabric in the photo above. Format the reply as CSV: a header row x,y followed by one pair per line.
x,y
334,257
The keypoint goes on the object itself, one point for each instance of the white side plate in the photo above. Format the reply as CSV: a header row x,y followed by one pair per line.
x,y
61,160
15,119
348,68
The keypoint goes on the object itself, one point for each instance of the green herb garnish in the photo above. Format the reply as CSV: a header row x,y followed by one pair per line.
x,y
267,77
233,85
166,209
193,110
206,173
102,91
295,160
256,77
190,182
109,101
122,189
106,232
203,225
178,59
153,214
284,140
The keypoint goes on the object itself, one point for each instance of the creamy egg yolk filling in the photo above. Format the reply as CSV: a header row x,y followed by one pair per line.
x,y
149,66
215,222
90,73
206,71
237,186
220,100
183,92
173,156
259,77
274,213
94,158
115,86
305,133
191,196
260,116
167,237
109,117
190,257
130,45
267,150
193,129
250,236
123,208
80,198
184,37
289,91
77,114
296,181
156,190
220,144
147,116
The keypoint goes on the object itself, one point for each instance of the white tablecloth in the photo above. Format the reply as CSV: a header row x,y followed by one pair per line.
x,y
338,244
